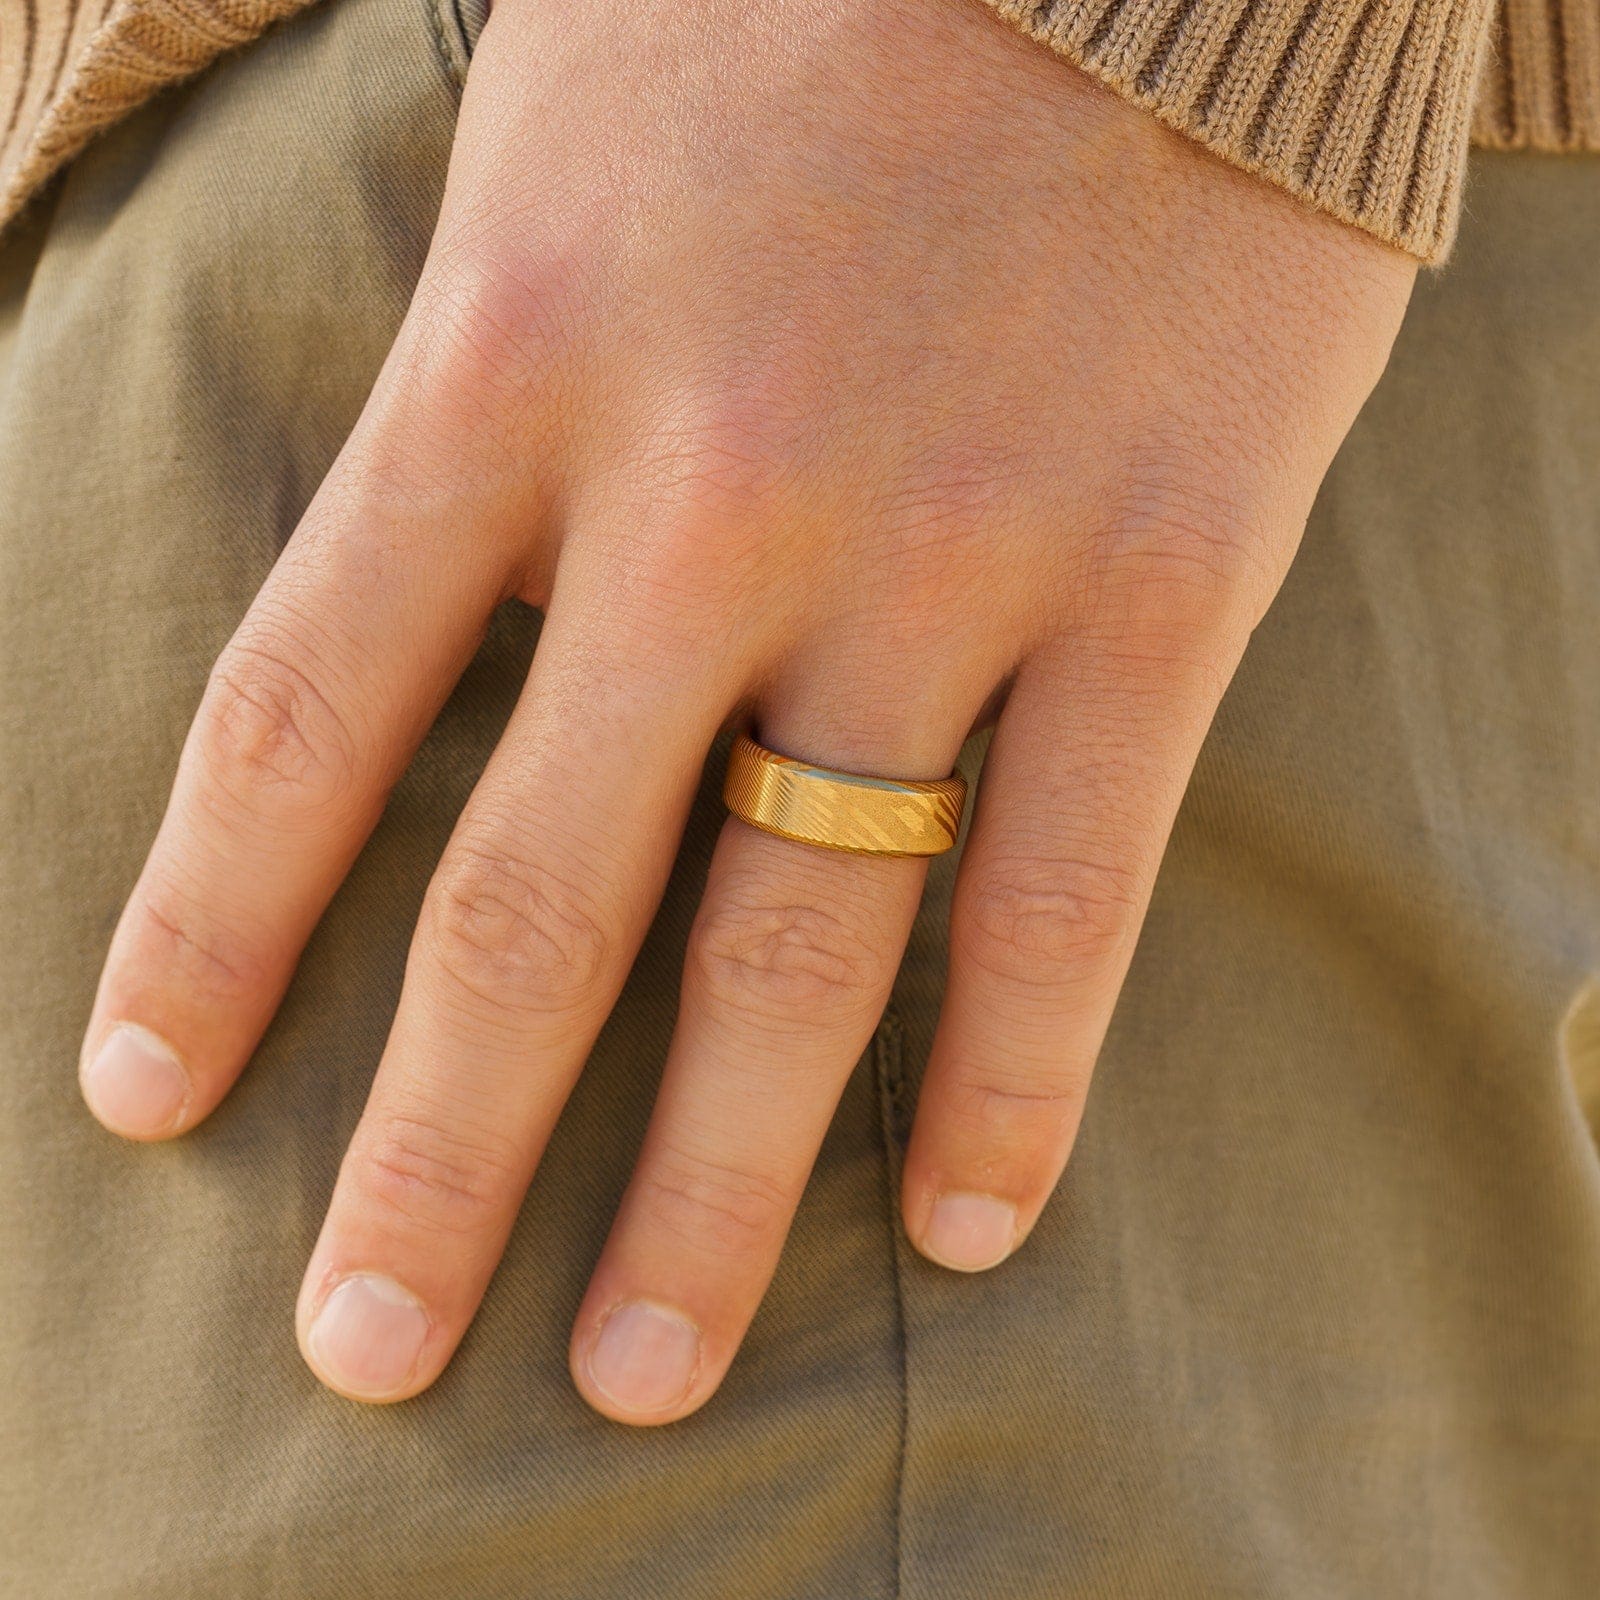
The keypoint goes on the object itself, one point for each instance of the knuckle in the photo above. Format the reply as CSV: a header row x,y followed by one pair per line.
x,y
1185,556
514,937
711,491
267,734
941,517
783,960
448,1181
714,1207
1039,925
1192,584
191,952
982,1100
479,375
721,472
494,323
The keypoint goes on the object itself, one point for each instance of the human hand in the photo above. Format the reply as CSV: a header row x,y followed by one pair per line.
x,y
852,367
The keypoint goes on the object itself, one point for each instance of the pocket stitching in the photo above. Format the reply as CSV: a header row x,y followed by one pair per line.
x,y
450,40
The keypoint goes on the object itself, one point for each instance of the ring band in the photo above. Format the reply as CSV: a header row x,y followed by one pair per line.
x,y
841,810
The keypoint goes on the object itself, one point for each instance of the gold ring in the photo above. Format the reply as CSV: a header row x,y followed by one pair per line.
x,y
841,810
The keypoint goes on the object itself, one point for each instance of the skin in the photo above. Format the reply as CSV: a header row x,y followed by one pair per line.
x,y
850,369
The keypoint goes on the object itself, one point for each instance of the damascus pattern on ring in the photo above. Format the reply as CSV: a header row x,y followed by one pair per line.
x,y
840,810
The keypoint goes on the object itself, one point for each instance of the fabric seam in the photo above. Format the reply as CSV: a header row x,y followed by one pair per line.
x,y
887,1054
448,58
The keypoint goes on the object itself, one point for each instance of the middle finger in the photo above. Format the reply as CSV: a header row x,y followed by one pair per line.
x,y
526,935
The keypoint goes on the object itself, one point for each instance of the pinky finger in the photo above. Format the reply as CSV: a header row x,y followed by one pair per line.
x,y
1079,792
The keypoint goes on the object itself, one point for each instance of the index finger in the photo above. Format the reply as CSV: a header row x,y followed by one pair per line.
x,y
310,715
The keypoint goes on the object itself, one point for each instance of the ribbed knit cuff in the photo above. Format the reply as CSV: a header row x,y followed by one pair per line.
x,y
1541,81
1361,107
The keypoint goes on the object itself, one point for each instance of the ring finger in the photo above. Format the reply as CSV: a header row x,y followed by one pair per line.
x,y
789,966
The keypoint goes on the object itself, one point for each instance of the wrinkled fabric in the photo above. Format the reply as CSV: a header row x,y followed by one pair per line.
x,y
1317,1310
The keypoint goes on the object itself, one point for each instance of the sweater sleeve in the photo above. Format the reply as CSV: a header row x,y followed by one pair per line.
x,y
1360,107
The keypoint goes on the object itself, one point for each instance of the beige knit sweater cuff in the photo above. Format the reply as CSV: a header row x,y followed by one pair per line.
x,y
1362,109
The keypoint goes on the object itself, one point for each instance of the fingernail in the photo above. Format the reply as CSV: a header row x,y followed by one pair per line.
x,y
970,1231
645,1357
136,1084
367,1338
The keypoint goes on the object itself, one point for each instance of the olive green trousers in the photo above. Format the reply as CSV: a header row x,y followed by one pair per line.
x,y
1317,1310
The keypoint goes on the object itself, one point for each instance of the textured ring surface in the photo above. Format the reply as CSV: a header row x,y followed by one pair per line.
x,y
841,810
